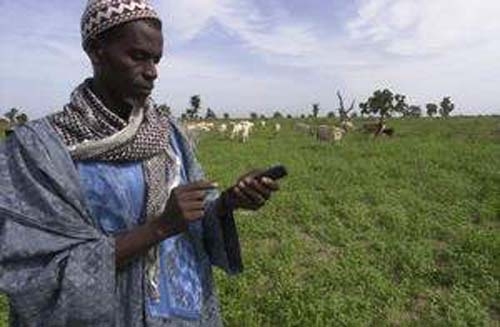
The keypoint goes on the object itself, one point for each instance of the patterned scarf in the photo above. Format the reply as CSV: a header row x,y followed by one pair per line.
x,y
93,132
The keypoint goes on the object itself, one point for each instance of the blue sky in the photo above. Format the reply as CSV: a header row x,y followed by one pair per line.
x,y
268,55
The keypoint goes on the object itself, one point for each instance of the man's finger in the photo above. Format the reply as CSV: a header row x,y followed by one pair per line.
x,y
194,205
242,197
261,189
270,183
252,194
194,215
191,195
200,185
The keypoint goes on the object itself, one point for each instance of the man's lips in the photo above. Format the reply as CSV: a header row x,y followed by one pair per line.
x,y
145,89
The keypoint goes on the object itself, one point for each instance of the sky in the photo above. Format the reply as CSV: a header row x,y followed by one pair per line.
x,y
244,56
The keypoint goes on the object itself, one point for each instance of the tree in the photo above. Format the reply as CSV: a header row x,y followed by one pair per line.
x,y
432,109
380,103
277,114
254,115
343,113
262,116
288,116
16,117
226,115
384,104
413,112
315,109
164,109
22,118
401,106
446,107
330,114
210,114
195,102
11,115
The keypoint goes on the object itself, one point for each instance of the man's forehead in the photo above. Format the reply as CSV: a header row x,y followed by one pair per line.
x,y
137,36
140,32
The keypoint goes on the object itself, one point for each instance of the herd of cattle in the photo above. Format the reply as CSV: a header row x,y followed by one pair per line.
x,y
241,130
235,130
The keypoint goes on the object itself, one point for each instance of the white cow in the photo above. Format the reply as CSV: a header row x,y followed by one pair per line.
x,y
242,130
338,134
200,126
223,128
347,125
245,134
237,129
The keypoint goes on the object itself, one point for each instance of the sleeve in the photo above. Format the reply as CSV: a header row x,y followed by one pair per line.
x,y
51,280
221,240
220,234
55,267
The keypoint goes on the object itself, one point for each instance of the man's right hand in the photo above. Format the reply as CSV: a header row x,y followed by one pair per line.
x,y
186,203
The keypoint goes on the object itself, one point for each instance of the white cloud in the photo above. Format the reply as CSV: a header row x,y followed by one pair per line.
x,y
185,19
269,32
425,27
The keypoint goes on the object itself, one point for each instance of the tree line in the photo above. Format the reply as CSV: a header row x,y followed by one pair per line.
x,y
383,104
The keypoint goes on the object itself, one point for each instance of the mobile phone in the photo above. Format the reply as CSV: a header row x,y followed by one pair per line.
x,y
275,172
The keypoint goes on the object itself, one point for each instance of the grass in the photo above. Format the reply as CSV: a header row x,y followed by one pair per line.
x,y
4,309
401,231
388,232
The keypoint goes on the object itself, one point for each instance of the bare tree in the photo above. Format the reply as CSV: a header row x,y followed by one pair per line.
x,y
343,112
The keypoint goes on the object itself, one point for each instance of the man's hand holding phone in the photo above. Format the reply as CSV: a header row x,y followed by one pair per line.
x,y
253,189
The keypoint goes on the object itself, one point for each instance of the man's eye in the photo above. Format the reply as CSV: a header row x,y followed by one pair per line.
x,y
138,56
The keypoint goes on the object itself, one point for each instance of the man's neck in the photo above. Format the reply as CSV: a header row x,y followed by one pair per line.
x,y
111,102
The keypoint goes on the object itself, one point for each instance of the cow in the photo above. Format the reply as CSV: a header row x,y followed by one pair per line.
x,y
222,128
325,133
378,129
242,130
347,125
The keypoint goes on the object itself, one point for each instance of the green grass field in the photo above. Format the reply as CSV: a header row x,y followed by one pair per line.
x,y
389,232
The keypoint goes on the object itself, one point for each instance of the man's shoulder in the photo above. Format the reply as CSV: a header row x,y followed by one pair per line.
x,y
168,119
55,115
32,125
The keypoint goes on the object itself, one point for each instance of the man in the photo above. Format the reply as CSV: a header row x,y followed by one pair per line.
x,y
106,218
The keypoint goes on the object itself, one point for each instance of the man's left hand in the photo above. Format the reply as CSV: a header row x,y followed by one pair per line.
x,y
251,192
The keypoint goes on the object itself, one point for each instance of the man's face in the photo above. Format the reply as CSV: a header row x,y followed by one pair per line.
x,y
128,60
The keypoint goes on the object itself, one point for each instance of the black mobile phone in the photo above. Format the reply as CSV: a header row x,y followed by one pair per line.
x,y
274,172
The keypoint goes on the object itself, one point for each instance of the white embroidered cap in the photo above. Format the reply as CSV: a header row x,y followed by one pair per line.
x,y
101,15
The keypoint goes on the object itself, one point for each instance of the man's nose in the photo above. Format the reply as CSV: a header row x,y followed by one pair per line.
x,y
151,71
